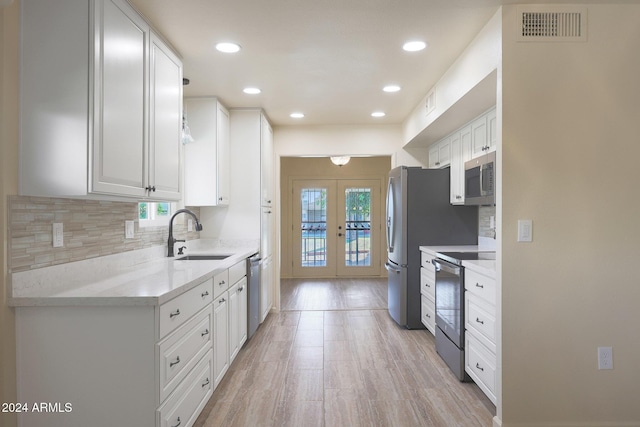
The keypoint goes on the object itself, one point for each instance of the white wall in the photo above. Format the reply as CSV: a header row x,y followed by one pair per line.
x,y
570,160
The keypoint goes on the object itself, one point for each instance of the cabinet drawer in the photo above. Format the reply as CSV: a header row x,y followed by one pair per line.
x,y
175,312
220,283
426,262
482,286
427,283
185,404
237,272
481,318
480,364
182,349
427,314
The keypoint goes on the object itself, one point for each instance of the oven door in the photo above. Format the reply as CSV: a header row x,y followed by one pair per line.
x,y
450,301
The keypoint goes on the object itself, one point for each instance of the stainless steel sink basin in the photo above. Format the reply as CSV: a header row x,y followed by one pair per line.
x,y
202,257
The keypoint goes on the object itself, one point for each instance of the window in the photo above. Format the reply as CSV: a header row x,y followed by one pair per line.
x,y
154,214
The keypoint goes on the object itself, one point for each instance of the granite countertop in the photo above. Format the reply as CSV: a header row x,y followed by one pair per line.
x,y
145,277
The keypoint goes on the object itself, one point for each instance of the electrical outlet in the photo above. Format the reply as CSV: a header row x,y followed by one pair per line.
x,y
58,235
605,358
129,230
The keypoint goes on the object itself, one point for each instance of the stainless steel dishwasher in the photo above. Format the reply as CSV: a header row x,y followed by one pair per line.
x,y
253,312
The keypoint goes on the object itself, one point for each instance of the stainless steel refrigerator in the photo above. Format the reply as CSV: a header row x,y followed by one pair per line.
x,y
419,214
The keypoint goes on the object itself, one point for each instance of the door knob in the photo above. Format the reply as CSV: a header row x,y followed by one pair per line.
x,y
339,234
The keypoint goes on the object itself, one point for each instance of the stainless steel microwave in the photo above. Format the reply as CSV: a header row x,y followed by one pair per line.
x,y
480,181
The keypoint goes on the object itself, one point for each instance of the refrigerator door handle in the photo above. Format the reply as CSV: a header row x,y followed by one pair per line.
x,y
391,268
390,208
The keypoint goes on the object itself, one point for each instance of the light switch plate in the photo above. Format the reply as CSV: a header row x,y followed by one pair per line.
x,y
58,235
129,230
525,230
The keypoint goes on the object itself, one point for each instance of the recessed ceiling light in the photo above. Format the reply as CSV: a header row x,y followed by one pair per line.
x,y
296,115
391,88
414,46
378,114
251,90
227,47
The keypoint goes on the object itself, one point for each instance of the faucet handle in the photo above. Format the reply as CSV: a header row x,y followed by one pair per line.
x,y
181,249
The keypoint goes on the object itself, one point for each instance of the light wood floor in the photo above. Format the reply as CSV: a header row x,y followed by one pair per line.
x,y
343,368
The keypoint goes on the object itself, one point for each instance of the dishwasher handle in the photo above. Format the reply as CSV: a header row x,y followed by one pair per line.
x,y
445,266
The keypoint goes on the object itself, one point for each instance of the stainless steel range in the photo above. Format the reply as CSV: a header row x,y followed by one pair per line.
x,y
450,307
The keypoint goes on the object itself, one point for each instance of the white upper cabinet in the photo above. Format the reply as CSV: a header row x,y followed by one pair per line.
x,y
440,154
100,103
484,134
460,153
206,159
266,162
165,121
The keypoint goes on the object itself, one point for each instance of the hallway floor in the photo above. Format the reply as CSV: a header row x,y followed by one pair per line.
x,y
342,368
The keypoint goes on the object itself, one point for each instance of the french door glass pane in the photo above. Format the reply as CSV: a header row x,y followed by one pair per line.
x,y
314,227
358,227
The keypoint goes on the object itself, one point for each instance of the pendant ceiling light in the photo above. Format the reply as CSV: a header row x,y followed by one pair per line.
x,y
340,160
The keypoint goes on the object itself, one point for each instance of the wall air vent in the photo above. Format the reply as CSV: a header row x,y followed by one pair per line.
x,y
552,24
430,103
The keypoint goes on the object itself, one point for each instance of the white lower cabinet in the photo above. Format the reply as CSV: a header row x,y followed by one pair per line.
x,y
480,331
131,365
220,337
428,292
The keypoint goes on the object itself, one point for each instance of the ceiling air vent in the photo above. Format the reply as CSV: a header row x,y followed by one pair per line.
x,y
552,24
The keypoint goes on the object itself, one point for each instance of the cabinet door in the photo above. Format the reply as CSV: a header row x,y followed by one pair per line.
x,y
165,117
492,129
479,136
234,308
444,153
223,171
266,232
120,103
242,312
434,156
206,159
220,337
266,161
460,153
265,287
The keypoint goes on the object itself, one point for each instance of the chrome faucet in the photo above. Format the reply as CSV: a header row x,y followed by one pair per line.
x,y
171,241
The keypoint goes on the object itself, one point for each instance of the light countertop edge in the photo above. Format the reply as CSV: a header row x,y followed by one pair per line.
x,y
146,284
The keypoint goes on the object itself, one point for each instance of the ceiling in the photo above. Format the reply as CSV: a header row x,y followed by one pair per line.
x,y
326,58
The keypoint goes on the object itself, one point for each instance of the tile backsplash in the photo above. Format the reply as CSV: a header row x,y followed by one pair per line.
x,y
91,229
484,221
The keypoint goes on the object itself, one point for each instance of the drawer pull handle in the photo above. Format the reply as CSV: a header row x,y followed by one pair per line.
x,y
479,367
206,382
478,285
172,364
205,294
479,321
221,283
221,301
206,332
241,289
174,314
179,422
428,316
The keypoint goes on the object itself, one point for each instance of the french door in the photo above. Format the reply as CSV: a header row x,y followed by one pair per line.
x,y
336,228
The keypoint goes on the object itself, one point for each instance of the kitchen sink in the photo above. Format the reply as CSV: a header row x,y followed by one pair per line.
x,y
202,257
